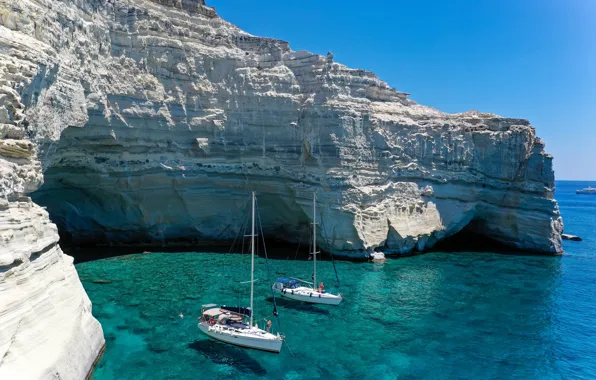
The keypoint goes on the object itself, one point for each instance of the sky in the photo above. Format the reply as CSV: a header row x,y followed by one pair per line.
x,y
532,59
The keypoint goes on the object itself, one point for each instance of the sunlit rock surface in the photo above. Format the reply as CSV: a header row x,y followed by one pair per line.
x,y
46,327
47,331
155,118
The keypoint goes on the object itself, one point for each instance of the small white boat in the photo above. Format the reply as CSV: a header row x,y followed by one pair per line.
x,y
292,288
229,325
587,190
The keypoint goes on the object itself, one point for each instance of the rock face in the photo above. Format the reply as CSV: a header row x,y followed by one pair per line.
x,y
47,331
155,118
46,327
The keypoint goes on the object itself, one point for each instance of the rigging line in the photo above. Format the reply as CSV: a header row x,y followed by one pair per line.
x,y
244,231
244,224
246,257
239,230
330,247
297,250
257,244
268,269
289,348
310,257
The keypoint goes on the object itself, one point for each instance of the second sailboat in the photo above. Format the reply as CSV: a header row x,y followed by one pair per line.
x,y
296,289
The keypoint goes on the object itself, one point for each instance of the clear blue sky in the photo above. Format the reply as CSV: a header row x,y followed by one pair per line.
x,y
534,59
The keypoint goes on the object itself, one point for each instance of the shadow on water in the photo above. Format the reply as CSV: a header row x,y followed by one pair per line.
x,y
276,250
299,306
220,353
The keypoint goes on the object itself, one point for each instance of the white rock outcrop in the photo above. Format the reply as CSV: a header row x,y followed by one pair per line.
x,y
155,117
182,113
47,330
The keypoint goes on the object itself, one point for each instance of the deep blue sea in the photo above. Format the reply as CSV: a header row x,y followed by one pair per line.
x,y
437,315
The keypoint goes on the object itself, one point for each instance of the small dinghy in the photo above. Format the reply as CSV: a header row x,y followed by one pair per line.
x,y
301,290
234,325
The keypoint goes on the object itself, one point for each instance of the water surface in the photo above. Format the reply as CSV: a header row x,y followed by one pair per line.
x,y
438,315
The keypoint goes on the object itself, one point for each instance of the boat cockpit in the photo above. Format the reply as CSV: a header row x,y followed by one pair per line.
x,y
286,283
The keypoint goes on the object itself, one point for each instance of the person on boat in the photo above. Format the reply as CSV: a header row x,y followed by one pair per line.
x,y
212,321
321,288
269,325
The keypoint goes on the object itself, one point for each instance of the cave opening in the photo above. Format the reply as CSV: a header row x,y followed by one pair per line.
x,y
96,223
471,239
277,249
97,249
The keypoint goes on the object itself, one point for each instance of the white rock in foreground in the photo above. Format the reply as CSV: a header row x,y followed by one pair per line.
x,y
47,330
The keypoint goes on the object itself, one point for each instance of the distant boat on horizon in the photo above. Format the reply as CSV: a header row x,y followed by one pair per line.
x,y
587,190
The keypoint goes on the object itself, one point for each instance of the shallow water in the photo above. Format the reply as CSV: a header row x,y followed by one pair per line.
x,y
438,315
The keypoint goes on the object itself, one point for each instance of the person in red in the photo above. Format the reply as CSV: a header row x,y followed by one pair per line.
x,y
321,290
212,321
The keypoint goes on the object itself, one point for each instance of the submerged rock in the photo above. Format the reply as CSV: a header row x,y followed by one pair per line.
x,y
102,281
571,237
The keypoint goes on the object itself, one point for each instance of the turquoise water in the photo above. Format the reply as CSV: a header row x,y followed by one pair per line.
x,y
438,315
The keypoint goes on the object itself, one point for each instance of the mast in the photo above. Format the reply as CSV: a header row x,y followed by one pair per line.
x,y
314,238
252,257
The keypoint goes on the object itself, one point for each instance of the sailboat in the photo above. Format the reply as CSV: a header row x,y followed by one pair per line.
x,y
299,290
229,325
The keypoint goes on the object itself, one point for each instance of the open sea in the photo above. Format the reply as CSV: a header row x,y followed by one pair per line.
x,y
437,315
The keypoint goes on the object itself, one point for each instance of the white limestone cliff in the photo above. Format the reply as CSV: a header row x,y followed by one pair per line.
x,y
155,117
47,330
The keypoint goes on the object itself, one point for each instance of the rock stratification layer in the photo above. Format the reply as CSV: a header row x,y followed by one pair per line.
x,y
155,119
46,327
47,331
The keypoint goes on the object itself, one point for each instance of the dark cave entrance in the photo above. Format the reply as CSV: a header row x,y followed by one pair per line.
x,y
277,248
470,239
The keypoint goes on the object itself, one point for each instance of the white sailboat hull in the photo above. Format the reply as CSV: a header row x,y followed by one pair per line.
x,y
309,295
249,338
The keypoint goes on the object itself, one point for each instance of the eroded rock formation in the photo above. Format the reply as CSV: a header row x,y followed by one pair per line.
x,y
46,327
47,331
156,117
